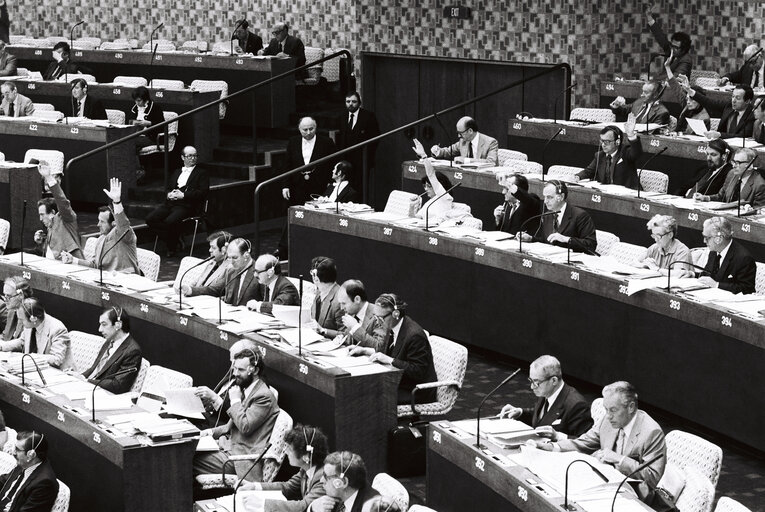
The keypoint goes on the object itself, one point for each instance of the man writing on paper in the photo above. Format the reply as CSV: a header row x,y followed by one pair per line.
x,y
42,334
364,328
558,406
274,287
472,144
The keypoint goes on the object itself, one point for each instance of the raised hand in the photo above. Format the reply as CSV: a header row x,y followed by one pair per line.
x,y
115,190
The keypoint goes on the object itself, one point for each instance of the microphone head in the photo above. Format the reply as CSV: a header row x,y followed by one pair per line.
x,y
161,25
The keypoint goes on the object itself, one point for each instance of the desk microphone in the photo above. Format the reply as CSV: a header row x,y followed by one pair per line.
x,y
555,106
427,208
153,49
23,374
639,468
544,150
132,369
435,116
565,505
741,184
520,229
220,297
103,254
180,281
300,316
581,246
23,222
672,264
478,413
646,164
233,458
233,35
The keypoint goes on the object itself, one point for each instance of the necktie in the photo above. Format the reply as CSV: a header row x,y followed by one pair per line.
x,y
607,176
350,122
543,410
103,360
10,110
715,263
356,318
33,341
8,498
390,344
555,223
79,108
470,150
643,113
620,442
318,307
340,507
267,294
733,122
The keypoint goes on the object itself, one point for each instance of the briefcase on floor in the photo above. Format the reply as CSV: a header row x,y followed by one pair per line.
x,y
406,450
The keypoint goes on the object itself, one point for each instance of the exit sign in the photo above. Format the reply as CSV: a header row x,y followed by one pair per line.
x,y
462,13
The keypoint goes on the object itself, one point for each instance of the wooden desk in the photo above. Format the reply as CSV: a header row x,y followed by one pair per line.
x,y
682,356
86,180
201,131
19,183
355,412
461,477
103,470
624,216
274,103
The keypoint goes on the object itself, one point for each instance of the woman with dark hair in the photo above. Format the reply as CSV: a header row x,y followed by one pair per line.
x,y
144,113
306,449
692,109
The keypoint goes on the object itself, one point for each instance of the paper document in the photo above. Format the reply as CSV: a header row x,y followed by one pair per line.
x,y
492,425
551,467
697,125
254,500
289,314
183,402
207,444
105,401
308,336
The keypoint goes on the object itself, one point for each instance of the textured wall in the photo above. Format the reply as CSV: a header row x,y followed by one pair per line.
x,y
598,38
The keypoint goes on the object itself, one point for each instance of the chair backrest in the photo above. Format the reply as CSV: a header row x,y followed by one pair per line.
x,y
141,377
148,262
504,155
391,488
115,116
654,181
130,81
39,107
274,457
714,123
705,82
420,508
2,156
312,55
759,280
726,504
606,241
50,157
84,348
450,361
309,291
698,493
597,411
62,498
213,85
7,463
161,45
48,115
10,445
563,172
31,41
5,232
699,256
626,253
199,46
92,40
221,47
597,115
159,379
84,45
162,83
401,203
91,79
461,207
331,71
700,73
186,263
22,72
688,450
522,166
116,45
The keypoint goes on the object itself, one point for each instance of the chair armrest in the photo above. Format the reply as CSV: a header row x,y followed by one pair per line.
x,y
431,385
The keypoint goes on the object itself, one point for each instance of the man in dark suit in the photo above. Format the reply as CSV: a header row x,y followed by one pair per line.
x,y
5,23
274,287
615,161
406,347
120,352
743,184
15,290
730,266
710,178
750,73
647,108
571,227
82,105
519,206
679,45
61,65
240,282
362,325
737,119
186,195
341,190
7,61
32,485
285,45
302,150
345,484
358,126
248,42
559,405
326,313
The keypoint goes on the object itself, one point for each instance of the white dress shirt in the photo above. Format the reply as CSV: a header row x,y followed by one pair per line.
x,y
183,178
307,146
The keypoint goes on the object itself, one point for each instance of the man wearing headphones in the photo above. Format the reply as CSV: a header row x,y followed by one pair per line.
x,y
709,179
32,484
240,282
15,290
345,484
274,287
737,119
362,325
519,206
615,162
252,415
326,313
729,265
82,106
743,184
216,268
119,353
42,334
570,227
647,108
406,347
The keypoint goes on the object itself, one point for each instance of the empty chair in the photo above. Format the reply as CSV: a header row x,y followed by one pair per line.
x,y
161,45
726,504
213,85
163,83
15,39
523,166
503,155
187,262
391,488
626,253
141,377
130,81
84,45
705,82
172,132
148,262
84,348
50,157
117,44
31,41
597,411
22,72
402,203
52,40
688,450
74,76
759,280
115,116
62,498
564,172
160,379
606,241
48,115
2,156
331,71
654,181
314,72
700,73
450,361
596,115
39,107
221,47
274,457
5,231
698,493
92,40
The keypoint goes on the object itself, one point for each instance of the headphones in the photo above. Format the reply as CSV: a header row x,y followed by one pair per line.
x,y
341,476
27,310
37,445
560,187
309,445
616,131
118,313
255,355
399,307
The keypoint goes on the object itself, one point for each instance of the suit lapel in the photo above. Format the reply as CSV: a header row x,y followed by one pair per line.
x,y
725,263
326,304
634,435
565,220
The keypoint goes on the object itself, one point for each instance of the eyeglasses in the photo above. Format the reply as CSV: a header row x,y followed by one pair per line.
x,y
535,383
741,162
193,155
607,141
657,236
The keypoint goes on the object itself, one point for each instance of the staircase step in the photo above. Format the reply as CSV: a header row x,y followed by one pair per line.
x,y
227,169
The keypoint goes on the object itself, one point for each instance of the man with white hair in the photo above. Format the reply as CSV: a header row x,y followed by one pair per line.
x,y
14,104
751,72
743,183
729,266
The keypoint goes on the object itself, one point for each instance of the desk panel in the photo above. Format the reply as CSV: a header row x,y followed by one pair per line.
x,y
19,183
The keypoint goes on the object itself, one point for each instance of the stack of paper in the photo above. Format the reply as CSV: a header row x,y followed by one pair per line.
x,y
105,401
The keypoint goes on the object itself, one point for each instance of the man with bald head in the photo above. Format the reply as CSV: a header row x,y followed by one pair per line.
x,y
285,45
471,144
240,282
274,287
751,72
558,405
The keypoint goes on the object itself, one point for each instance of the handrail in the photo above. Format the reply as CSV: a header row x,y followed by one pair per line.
x,y
256,242
166,123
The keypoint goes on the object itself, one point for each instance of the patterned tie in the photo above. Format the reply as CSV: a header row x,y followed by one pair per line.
x,y
102,362
33,341
391,342
267,294
643,113
555,223
8,497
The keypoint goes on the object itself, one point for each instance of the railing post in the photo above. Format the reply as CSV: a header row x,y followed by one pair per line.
x,y
256,219
365,174
167,155
254,128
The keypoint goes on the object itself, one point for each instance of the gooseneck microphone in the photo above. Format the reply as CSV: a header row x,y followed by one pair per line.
x,y
639,468
544,151
23,222
233,458
153,49
565,504
523,225
180,281
132,369
673,263
646,164
104,253
478,412
300,316
23,373
427,208
555,105
233,35
71,50
435,116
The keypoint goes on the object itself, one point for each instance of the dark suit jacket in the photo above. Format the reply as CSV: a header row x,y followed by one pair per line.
x,y
39,491
758,131
5,24
680,65
623,162
128,355
752,192
529,205
576,224
318,177
229,287
365,494
366,127
292,489
285,293
743,75
737,271
412,353
569,414
328,313
195,191
709,182
740,130
347,195
8,64
94,109
253,43
657,114
60,69
154,114
292,47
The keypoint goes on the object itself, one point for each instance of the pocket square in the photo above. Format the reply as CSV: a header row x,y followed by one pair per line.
x,y
730,276
556,422
619,161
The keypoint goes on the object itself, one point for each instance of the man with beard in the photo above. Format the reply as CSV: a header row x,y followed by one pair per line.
x,y
710,179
